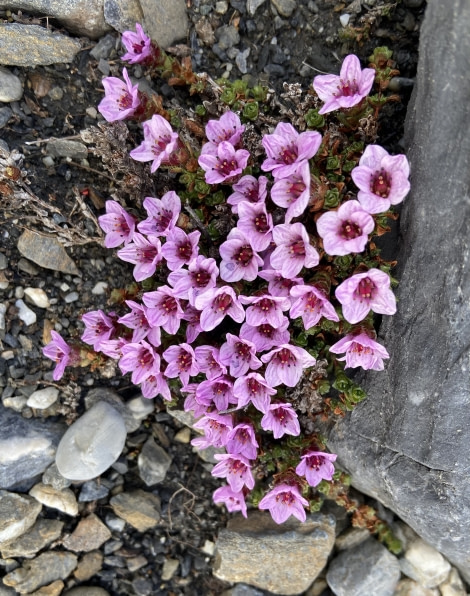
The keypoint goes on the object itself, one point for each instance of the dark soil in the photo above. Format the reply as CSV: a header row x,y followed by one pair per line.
x,y
311,39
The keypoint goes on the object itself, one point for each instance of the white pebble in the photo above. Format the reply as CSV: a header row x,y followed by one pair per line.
x,y
43,398
37,297
344,19
99,288
27,315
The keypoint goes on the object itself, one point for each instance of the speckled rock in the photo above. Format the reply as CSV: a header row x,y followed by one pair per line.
x,y
45,251
17,514
31,45
36,538
82,17
122,15
89,535
44,569
284,559
165,21
139,508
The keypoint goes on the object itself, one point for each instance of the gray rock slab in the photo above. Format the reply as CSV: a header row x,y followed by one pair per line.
x,y
92,443
407,444
32,45
17,514
27,447
165,21
46,251
122,15
367,569
284,559
11,87
82,17
44,569
66,148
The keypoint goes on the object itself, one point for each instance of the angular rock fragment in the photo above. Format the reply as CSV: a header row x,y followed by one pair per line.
x,y
46,251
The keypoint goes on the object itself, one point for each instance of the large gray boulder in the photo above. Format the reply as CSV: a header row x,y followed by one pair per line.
x,y
408,443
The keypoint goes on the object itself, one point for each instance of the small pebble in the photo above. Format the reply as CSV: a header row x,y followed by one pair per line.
x,y
100,288
344,19
72,297
37,296
26,315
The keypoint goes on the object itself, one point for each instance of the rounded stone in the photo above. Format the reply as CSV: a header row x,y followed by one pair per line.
x,y
11,88
92,444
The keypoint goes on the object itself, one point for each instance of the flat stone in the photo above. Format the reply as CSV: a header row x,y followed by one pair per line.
x,y
165,21
82,17
11,87
283,559
46,251
88,566
92,443
25,314
44,569
122,15
41,534
111,397
54,589
169,569
37,297
43,398
32,45
64,500
27,447
138,508
424,564
18,513
153,462
366,569
408,587
89,535
67,148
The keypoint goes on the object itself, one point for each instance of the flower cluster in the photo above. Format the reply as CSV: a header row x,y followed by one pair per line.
x,y
222,327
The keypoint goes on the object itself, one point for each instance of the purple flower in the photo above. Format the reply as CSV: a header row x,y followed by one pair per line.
x,y
239,355
138,321
113,347
293,251
346,230
256,224
236,469
347,89
118,225
155,385
265,310
99,327
215,304
234,501
141,359
216,428
138,45
239,260
382,179
223,162
286,148
265,336
360,350
316,466
227,128
286,364
281,419
293,192
200,276
218,392
253,387
193,318
159,142
162,214
283,501
241,440
59,351
279,285
248,189
144,253
180,248
311,304
208,358
164,309
121,99
181,362
364,292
